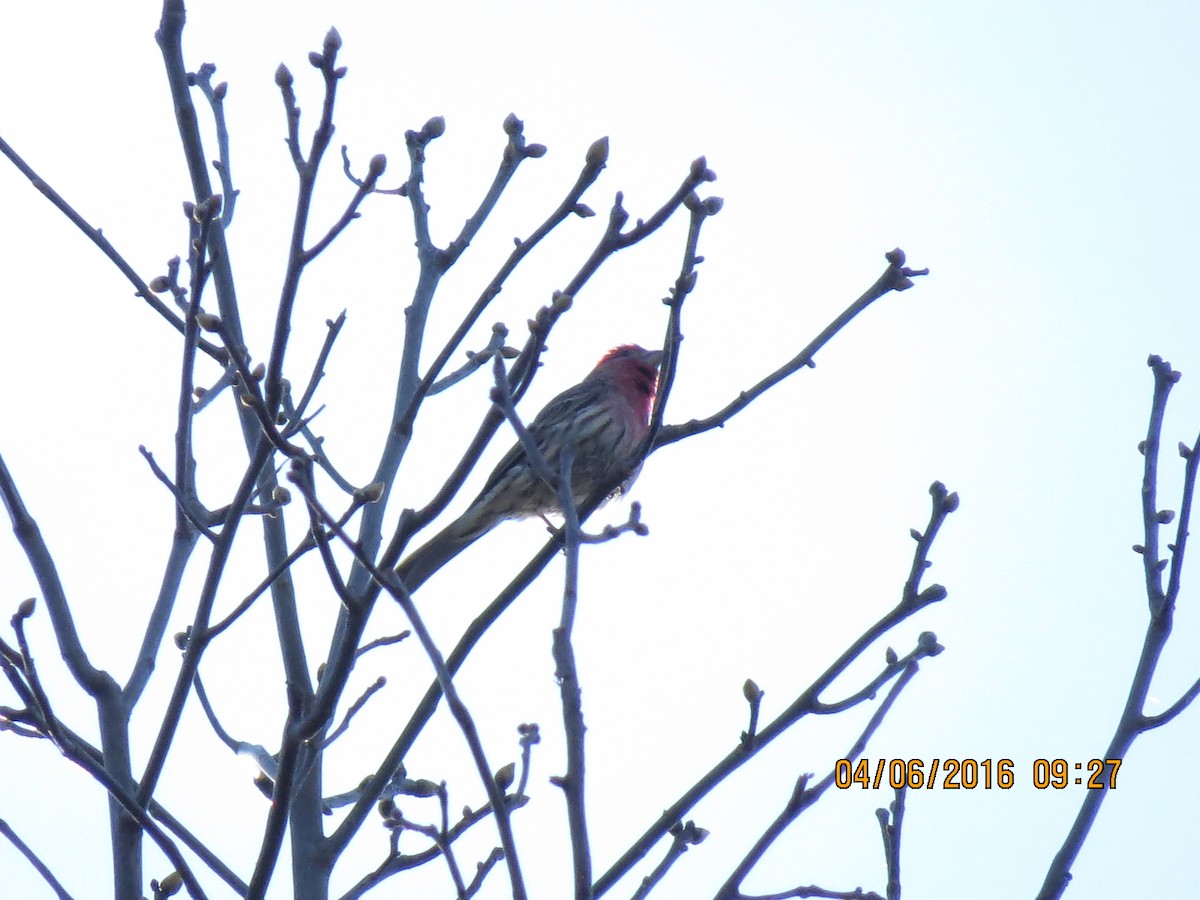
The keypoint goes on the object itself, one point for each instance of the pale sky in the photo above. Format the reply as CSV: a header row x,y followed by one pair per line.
x,y
1038,158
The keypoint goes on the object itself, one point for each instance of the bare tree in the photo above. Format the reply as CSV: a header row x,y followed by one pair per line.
x,y
1101,775
346,526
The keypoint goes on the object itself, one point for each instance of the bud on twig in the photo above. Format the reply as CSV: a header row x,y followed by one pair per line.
x,y
505,776
434,128
333,42
423,787
373,492
597,154
751,691
170,885
928,642
932,594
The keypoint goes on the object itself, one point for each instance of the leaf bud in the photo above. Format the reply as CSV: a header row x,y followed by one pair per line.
x,y
932,594
928,642
422,787
597,154
505,775
434,128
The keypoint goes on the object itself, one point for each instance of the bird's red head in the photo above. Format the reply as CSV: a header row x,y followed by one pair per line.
x,y
634,352
634,371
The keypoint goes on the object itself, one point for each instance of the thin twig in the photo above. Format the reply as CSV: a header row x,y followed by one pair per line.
x,y
458,709
684,836
29,536
891,831
216,100
803,797
912,601
211,715
357,705
35,861
1161,604
334,328
200,637
567,674
897,277
97,237
383,642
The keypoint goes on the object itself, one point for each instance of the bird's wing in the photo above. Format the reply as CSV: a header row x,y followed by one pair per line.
x,y
557,415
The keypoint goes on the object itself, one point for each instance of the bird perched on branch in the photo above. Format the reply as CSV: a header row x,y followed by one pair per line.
x,y
604,420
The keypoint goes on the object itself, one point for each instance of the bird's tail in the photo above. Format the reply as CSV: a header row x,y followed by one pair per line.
x,y
452,540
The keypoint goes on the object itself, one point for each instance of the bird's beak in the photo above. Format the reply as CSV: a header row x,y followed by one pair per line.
x,y
653,357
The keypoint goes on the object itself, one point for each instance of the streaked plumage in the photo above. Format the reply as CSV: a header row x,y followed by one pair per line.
x,y
604,419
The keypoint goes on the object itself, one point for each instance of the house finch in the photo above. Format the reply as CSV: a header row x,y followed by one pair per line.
x,y
603,419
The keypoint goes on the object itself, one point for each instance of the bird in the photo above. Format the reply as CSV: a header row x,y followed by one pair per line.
x,y
604,420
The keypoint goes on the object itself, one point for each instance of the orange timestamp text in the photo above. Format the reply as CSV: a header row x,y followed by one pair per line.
x,y
968,774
